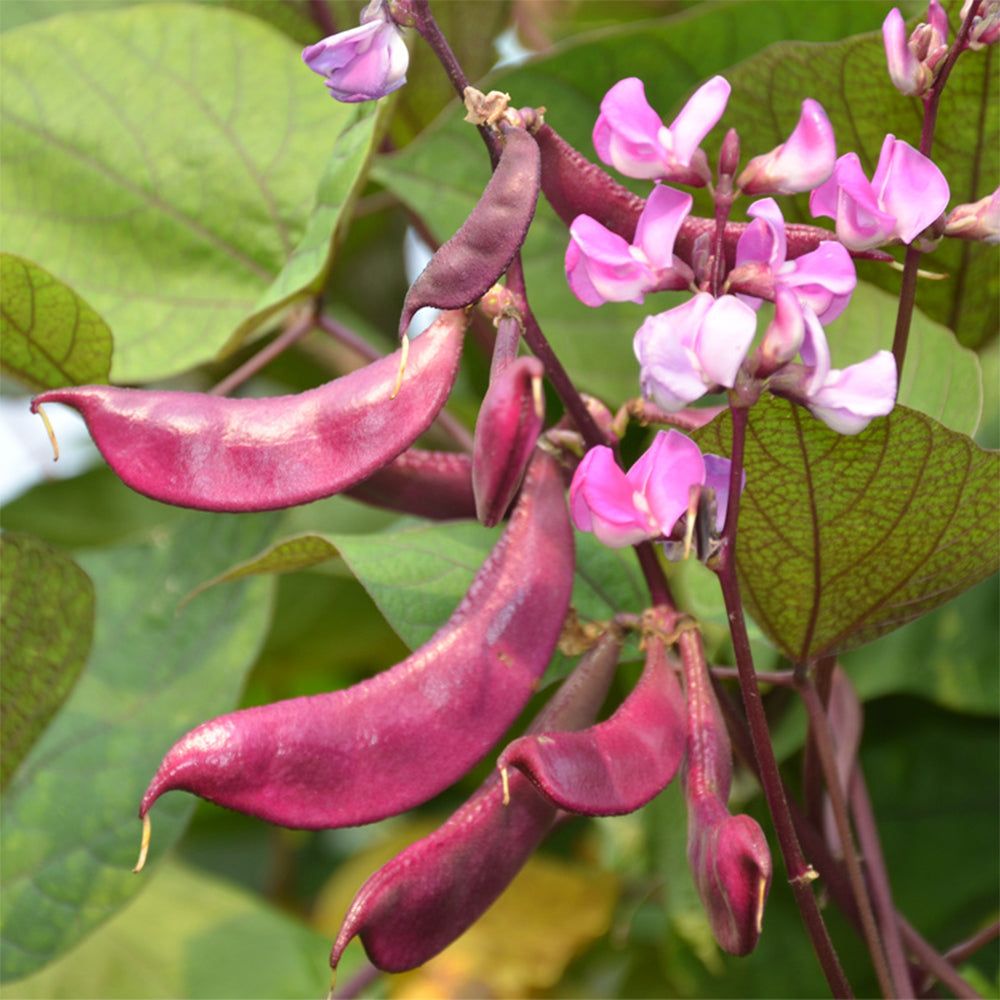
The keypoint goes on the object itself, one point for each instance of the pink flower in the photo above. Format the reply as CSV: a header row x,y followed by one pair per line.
x,y
631,137
646,502
364,63
907,194
822,279
685,351
845,400
985,23
601,267
912,60
977,221
801,163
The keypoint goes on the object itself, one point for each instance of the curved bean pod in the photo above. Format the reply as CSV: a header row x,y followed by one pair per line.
x,y
729,857
434,484
214,453
510,419
425,897
465,268
620,764
372,750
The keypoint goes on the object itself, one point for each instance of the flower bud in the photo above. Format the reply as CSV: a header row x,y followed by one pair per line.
x,y
364,63
979,220
912,61
985,23
784,335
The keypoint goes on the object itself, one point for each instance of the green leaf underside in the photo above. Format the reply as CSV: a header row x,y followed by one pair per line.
x,y
172,202
845,538
50,336
69,829
46,626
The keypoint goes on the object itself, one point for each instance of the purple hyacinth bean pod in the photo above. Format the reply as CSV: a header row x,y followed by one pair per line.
x,y
510,419
215,453
391,742
464,269
618,765
432,484
425,897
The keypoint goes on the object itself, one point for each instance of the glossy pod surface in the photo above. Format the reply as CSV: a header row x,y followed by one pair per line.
x,y
214,453
620,764
428,895
375,749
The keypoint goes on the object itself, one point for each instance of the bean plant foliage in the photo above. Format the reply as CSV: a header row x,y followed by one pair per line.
x,y
623,626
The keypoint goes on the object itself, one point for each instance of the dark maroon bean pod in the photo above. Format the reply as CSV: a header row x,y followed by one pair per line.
x,y
391,742
510,419
425,897
433,484
616,766
465,268
214,453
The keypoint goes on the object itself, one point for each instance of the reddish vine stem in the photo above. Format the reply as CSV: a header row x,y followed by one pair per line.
x,y
800,873
812,782
911,262
935,963
878,878
819,730
964,949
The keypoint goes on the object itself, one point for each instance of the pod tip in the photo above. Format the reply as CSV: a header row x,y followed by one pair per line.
x,y
39,409
404,353
147,830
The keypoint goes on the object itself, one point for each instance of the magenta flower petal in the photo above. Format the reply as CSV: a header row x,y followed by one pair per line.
x,y
664,474
602,501
661,219
905,70
823,279
601,267
801,163
697,118
363,63
724,339
717,473
627,133
848,400
909,187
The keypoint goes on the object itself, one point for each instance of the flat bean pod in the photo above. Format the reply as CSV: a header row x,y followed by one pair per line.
x,y
375,749
213,453
465,268
425,897
618,765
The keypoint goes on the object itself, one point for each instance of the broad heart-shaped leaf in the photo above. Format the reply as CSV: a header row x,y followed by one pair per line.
x,y
46,625
596,344
167,170
850,80
69,828
50,336
842,539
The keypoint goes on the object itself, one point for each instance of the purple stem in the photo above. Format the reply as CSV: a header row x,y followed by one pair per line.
x,y
296,330
819,730
878,878
656,580
935,963
800,873
322,16
911,262
964,949
357,984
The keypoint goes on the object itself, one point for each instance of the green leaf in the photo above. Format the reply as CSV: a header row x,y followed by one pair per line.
x,y
850,79
940,378
596,344
46,625
189,935
51,337
167,171
844,538
69,832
